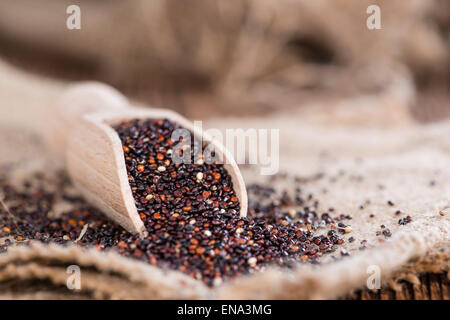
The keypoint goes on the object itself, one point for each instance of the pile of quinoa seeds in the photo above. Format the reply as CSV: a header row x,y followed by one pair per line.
x,y
190,211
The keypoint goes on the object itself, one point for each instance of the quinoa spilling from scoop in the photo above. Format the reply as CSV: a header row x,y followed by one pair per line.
x,y
192,220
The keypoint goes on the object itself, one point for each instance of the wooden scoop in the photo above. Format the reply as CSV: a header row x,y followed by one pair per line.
x,y
79,133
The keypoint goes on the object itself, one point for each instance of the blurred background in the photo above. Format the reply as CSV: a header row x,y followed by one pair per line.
x,y
242,57
303,66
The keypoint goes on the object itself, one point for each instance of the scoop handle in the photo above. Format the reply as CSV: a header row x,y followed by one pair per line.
x,y
78,99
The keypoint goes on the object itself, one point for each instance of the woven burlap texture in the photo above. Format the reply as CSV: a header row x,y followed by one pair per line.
x,y
356,159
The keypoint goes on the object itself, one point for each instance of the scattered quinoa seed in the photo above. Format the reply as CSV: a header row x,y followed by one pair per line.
x,y
191,227
252,261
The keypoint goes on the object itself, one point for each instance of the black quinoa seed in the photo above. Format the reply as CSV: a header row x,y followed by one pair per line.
x,y
405,220
192,220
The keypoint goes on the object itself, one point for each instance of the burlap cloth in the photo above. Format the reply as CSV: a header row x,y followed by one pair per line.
x,y
357,151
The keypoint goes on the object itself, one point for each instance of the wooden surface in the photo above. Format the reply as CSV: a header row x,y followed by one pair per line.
x,y
433,286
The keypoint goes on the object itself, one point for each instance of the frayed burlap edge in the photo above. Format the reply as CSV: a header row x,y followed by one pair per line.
x,y
110,276
103,275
